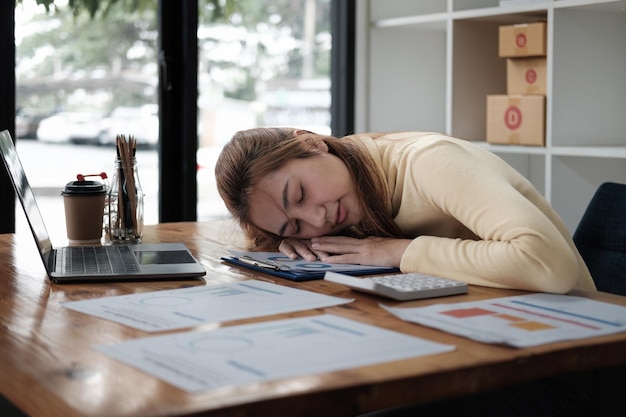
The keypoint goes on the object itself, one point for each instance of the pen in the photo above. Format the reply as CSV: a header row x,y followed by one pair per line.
x,y
263,264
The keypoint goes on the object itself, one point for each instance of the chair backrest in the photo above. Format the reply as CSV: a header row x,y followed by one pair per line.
x,y
601,237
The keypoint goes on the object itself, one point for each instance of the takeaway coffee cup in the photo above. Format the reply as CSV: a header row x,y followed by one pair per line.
x,y
84,208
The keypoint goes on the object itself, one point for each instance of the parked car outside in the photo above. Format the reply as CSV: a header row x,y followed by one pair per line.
x,y
140,122
27,122
70,127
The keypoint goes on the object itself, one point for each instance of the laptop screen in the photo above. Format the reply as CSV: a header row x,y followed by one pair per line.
x,y
24,193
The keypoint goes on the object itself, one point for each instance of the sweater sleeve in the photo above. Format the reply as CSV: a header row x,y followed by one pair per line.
x,y
516,243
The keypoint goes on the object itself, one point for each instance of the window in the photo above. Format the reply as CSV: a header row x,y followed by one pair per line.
x,y
264,63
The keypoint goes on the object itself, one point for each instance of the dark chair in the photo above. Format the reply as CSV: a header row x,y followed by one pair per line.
x,y
601,237
601,241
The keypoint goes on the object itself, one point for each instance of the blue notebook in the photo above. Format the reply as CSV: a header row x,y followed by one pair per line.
x,y
277,264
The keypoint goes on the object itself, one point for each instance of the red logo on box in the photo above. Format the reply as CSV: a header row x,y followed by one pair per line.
x,y
531,76
520,40
513,117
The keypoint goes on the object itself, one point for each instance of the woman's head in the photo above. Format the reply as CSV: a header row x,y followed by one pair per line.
x,y
280,182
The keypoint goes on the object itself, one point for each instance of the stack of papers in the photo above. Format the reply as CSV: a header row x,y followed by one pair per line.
x,y
280,265
202,360
195,361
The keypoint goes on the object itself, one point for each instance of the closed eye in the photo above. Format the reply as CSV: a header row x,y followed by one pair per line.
x,y
292,229
302,195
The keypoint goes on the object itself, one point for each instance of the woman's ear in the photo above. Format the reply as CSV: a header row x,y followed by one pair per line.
x,y
311,140
299,132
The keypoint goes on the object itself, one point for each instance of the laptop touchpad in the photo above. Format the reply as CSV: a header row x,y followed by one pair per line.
x,y
164,257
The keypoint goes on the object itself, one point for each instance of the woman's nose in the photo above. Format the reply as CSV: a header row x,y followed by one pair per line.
x,y
314,215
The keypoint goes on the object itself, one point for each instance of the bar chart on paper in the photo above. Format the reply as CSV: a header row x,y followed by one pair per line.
x,y
522,321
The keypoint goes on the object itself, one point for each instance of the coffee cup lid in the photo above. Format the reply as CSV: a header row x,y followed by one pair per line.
x,y
83,188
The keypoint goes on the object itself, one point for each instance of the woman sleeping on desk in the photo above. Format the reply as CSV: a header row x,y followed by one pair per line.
x,y
419,201
422,202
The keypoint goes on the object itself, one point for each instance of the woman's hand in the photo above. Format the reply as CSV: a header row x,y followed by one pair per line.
x,y
369,251
295,248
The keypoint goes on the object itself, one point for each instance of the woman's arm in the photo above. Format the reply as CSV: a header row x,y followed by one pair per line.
x,y
521,242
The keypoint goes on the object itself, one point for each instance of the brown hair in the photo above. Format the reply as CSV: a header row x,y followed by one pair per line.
x,y
252,154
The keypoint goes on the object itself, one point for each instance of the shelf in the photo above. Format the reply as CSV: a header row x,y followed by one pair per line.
x,y
411,20
430,65
512,149
617,152
503,14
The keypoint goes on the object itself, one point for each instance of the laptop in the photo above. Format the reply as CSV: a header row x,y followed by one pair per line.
x,y
128,262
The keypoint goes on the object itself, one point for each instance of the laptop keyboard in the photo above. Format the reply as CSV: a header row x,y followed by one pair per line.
x,y
97,260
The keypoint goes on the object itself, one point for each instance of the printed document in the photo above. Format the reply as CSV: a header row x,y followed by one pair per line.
x,y
250,353
186,307
278,264
521,321
283,263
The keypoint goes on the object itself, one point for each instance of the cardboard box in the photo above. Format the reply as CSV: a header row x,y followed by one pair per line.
x,y
526,76
523,40
516,119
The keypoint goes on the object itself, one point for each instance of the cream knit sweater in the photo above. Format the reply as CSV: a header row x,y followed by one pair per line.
x,y
473,217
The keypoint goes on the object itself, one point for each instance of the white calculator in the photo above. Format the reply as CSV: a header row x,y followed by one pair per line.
x,y
402,287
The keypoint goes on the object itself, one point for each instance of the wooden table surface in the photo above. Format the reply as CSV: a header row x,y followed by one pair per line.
x,y
48,367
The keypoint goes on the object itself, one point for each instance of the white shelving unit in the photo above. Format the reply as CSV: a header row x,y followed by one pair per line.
x,y
430,64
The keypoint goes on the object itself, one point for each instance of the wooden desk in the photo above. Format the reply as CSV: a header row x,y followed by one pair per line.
x,y
48,367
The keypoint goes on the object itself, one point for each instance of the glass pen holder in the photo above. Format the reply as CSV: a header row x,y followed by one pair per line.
x,y
125,204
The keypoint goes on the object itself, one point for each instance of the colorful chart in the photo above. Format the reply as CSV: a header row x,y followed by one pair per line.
x,y
522,321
